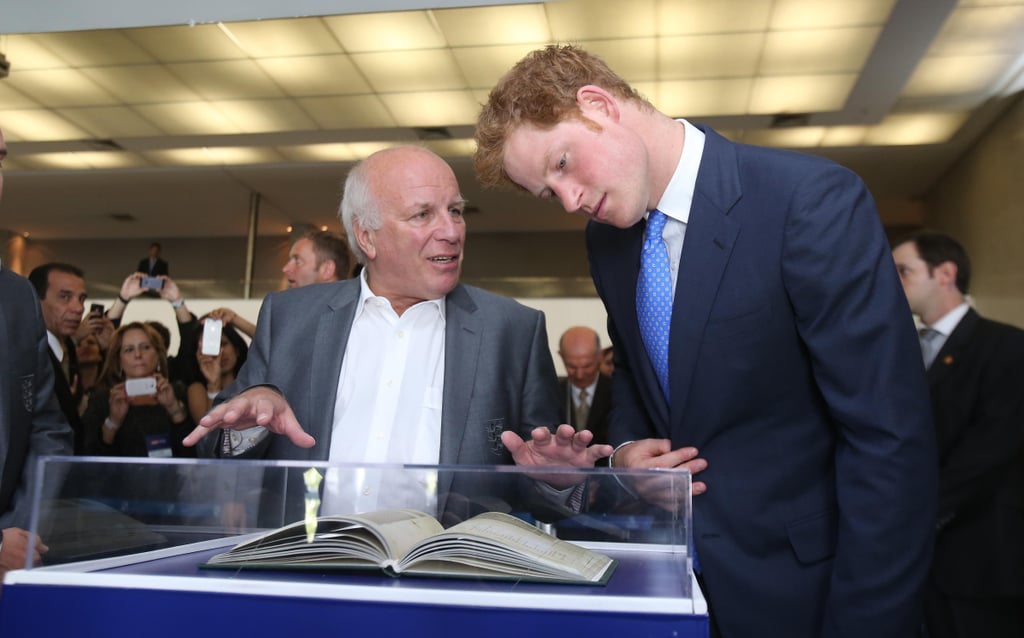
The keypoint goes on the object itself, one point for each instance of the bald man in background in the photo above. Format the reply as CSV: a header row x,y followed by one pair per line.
x,y
586,394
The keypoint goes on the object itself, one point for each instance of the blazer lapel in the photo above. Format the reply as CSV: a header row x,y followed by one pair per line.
x,y
953,348
710,237
331,338
462,334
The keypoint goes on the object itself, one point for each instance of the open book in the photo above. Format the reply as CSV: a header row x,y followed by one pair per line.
x,y
491,545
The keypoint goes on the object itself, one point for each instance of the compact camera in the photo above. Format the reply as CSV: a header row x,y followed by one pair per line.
x,y
152,283
144,386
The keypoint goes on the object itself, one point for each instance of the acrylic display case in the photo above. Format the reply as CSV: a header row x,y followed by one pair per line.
x,y
126,539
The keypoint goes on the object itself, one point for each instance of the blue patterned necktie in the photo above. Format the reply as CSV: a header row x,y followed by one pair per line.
x,y
654,297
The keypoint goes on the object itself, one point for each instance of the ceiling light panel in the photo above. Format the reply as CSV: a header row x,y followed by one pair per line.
x,y
706,56
277,38
971,31
701,98
796,137
429,70
315,75
141,84
844,136
225,80
951,75
265,116
915,128
60,87
452,148
27,53
636,60
317,153
401,30
482,67
494,25
347,112
818,14
110,159
214,156
817,51
437,108
95,48
186,44
800,94
38,125
601,19
692,17
110,122
188,118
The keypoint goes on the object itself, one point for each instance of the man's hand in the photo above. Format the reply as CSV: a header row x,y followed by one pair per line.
x,y
658,454
15,549
565,448
256,406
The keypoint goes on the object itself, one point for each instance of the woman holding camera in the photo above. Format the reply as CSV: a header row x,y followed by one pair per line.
x,y
135,410
211,373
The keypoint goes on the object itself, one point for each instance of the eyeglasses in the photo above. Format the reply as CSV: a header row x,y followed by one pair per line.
x,y
142,347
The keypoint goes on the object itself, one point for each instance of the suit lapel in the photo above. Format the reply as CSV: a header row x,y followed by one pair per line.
x,y
952,349
331,338
462,334
710,236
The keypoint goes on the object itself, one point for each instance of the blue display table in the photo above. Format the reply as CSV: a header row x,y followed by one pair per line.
x,y
164,593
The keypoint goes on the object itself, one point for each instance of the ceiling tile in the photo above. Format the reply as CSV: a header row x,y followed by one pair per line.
x,y
60,87
431,70
315,75
347,112
266,116
405,30
494,25
25,53
484,66
800,94
95,48
317,153
844,135
226,79
817,51
950,75
438,108
635,60
817,14
12,98
452,148
38,125
110,122
915,128
689,17
278,38
141,84
701,98
188,118
981,30
709,56
797,137
186,43
216,156
601,19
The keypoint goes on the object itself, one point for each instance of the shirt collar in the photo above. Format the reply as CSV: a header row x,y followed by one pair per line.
x,y
949,321
366,294
55,346
678,196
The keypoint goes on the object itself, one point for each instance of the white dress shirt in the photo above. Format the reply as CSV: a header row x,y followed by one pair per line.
x,y
947,324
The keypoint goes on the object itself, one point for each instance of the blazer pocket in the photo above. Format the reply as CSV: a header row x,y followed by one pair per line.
x,y
813,538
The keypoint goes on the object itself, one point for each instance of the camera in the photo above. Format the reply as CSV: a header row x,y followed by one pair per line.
x,y
96,309
211,336
140,387
152,283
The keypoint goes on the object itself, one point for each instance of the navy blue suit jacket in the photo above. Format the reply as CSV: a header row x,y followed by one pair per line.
x,y
796,371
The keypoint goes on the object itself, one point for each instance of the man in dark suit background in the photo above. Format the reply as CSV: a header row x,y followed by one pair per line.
x,y
153,265
780,346
584,391
31,424
976,375
62,295
358,363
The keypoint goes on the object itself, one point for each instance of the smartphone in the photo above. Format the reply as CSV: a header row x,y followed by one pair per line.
x,y
211,336
140,387
96,309
152,283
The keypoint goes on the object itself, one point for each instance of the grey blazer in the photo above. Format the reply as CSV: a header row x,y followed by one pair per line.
x,y
498,369
31,423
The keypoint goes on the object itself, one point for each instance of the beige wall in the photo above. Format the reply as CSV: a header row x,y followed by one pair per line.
x,y
981,202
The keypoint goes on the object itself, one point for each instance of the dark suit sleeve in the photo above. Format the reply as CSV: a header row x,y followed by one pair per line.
x,y
854,320
540,398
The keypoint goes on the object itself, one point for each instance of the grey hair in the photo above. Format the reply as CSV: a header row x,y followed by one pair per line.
x,y
358,203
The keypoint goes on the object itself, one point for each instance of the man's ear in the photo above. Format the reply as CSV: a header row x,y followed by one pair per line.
x,y
328,268
946,273
365,239
594,101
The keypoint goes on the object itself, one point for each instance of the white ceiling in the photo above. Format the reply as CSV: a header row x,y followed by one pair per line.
x,y
177,126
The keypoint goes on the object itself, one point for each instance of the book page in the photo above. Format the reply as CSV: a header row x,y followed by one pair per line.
x,y
504,544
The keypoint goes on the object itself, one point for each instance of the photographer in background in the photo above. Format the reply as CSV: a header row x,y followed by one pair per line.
x,y
135,410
